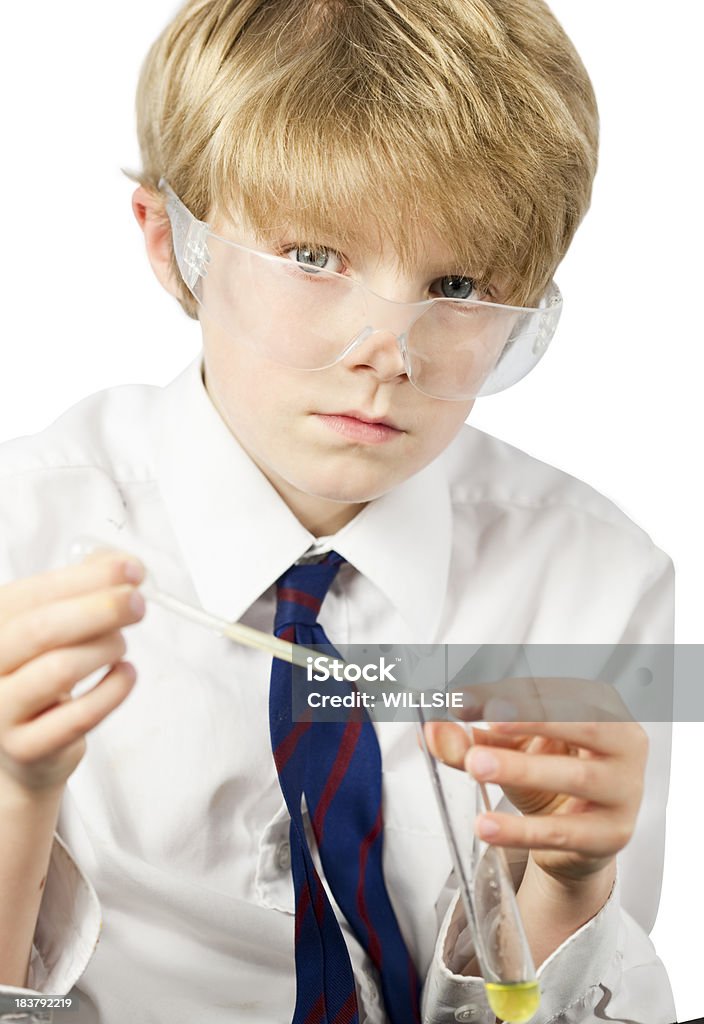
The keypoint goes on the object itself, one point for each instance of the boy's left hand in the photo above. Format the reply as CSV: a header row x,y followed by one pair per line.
x,y
578,784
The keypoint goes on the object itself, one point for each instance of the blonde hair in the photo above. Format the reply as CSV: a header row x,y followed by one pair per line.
x,y
474,118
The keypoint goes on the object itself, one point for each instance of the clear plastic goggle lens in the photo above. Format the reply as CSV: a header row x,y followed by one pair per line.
x,y
310,319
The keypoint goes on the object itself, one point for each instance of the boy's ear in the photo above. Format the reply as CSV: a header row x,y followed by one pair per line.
x,y
151,216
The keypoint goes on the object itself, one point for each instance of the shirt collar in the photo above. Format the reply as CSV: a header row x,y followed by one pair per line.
x,y
238,536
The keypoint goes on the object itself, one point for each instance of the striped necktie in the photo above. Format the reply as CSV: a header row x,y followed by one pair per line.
x,y
337,765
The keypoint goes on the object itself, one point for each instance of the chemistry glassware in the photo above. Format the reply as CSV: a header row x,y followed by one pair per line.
x,y
489,900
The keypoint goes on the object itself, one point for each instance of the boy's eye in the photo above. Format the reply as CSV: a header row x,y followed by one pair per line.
x,y
455,287
312,258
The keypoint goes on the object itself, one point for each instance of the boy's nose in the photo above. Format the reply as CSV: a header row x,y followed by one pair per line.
x,y
380,351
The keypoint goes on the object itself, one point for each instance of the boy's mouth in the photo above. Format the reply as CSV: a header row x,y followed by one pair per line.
x,y
358,426
353,414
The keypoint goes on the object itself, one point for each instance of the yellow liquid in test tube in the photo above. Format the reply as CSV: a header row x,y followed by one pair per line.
x,y
514,1003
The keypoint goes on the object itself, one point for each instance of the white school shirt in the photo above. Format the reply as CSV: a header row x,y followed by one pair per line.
x,y
169,895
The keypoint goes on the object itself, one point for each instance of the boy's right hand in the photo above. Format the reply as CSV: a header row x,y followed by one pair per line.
x,y
55,629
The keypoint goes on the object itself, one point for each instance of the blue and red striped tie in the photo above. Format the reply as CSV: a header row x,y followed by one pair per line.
x,y
337,765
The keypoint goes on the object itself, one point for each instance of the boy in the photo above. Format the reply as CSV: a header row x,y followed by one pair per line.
x,y
391,154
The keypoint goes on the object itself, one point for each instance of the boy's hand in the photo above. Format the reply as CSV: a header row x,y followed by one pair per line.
x,y
578,783
55,629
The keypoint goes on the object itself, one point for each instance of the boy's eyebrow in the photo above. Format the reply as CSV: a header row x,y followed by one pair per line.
x,y
287,232
352,244
355,242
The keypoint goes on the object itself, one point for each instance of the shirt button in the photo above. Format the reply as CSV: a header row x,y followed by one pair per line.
x,y
466,1013
283,856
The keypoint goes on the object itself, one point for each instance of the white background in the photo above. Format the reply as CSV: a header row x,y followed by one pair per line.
x,y
616,401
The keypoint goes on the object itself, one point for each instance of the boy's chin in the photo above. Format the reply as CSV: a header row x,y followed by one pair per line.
x,y
349,495
346,489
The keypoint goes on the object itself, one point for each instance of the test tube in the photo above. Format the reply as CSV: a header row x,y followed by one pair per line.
x,y
489,901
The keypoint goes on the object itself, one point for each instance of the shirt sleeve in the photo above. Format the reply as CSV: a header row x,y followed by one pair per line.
x,y
608,969
68,928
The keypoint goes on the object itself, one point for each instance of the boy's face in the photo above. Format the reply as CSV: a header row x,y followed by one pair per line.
x,y
306,430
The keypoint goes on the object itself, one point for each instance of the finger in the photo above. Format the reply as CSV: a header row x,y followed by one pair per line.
x,y
590,834
543,698
67,622
98,571
490,738
42,682
69,721
589,778
612,738
448,742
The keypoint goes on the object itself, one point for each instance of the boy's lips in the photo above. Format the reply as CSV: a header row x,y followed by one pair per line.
x,y
353,414
359,426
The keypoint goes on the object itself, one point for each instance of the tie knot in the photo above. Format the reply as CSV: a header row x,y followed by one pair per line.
x,y
301,590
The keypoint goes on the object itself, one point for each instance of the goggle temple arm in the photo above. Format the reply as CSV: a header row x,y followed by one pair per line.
x,y
189,238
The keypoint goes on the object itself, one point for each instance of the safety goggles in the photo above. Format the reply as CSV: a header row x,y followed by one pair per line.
x,y
310,318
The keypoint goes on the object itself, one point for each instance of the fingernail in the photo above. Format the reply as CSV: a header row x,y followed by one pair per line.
x,y
133,571
137,604
452,749
129,671
483,764
486,828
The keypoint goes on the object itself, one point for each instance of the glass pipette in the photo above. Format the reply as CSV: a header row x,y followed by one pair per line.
x,y
241,634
